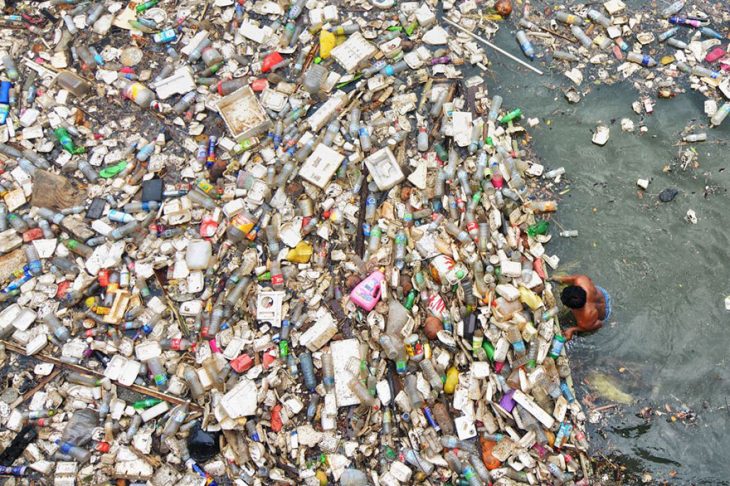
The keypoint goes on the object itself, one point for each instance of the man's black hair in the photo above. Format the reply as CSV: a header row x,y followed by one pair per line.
x,y
573,297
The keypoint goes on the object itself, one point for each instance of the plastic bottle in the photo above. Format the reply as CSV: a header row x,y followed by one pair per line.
x,y
67,142
400,249
328,371
495,107
196,388
438,105
713,34
333,128
695,137
392,70
585,41
599,18
720,115
685,22
307,366
643,59
704,72
159,375
354,122
365,141
79,454
176,419
525,45
140,94
60,331
568,18
433,378
676,43
673,9
667,34
314,78
414,459
79,248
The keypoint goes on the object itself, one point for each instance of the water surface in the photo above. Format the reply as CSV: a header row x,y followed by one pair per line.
x,y
670,332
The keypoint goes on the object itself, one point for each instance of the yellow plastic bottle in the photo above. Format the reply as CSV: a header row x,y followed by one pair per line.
x,y
452,379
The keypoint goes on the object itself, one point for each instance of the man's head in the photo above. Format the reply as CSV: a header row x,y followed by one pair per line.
x,y
573,297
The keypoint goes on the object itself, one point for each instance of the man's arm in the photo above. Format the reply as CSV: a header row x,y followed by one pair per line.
x,y
568,333
569,279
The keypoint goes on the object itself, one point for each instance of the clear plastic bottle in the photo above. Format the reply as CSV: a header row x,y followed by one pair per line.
x,y
333,128
34,260
695,137
525,45
422,139
568,18
159,375
581,36
328,371
431,375
307,366
672,9
354,128
361,392
676,43
60,331
211,56
494,108
643,59
400,249
599,18
196,388
314,78
78,453
366,144
140,94
88,171
720,115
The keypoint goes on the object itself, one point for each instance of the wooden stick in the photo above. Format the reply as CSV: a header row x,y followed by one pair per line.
x,y
81,369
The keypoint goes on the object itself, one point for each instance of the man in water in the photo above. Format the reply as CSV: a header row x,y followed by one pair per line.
x,y
590,304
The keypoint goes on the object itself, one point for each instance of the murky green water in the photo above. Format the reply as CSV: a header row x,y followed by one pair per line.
x,y
670,331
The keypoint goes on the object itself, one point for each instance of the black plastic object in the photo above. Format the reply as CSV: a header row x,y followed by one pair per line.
x,y
96,208
12,452
668,194
152,190
202,445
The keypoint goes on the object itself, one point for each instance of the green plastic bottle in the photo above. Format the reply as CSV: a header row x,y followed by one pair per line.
x,y
512,115
539,228
67,142
146,403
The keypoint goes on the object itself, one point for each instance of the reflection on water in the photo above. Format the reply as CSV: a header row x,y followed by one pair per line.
x,y
668,278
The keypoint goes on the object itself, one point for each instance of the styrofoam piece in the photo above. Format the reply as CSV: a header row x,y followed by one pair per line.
x,y
321,165
240,401
243,114
344,353
384,168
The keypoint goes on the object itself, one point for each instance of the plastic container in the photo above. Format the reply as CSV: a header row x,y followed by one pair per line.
x,y
198,254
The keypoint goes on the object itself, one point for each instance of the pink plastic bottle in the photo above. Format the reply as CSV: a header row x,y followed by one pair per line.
x,y
367,293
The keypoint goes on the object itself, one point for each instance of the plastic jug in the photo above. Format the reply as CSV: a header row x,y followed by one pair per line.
x,y
367,293
198,254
